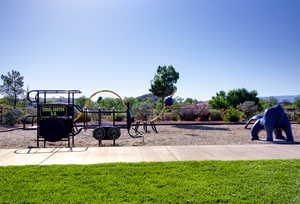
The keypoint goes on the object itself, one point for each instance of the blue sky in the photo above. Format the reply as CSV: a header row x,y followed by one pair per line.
x,y
117,44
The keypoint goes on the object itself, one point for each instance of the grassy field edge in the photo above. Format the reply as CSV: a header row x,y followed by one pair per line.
x,y
276,181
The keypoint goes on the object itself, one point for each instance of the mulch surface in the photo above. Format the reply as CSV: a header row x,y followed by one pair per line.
x,y
204,134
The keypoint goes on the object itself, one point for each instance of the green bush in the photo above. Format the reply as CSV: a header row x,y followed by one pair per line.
x,y
12,116
297,103
215,115
171,116
232,115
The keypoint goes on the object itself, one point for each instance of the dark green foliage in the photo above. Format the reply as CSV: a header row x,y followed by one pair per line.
x,y
131,101
190,101
233,98
232,115
171,116
286,103
239,96
215,115
81,101
110,103
271,181
164,81
219,101
267,103
7,101
12,85
12,116
297,103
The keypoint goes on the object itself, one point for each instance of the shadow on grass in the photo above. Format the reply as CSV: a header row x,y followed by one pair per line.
x,y
200,127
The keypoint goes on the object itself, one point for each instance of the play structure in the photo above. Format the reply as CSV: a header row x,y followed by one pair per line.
x,y
274,120
58,122
62,121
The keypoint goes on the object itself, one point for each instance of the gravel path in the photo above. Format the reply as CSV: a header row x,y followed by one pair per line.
x,y
168,135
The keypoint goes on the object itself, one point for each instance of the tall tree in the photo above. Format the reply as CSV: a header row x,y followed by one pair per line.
x,y
12,85
239,96
219,101
163,83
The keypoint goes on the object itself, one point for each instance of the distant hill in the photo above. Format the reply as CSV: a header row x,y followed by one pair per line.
x,y
149,95
289,98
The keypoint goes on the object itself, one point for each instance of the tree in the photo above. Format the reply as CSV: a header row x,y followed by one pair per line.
x,y
190,101
12,85
239,96
219,101
81,101
163,83
110,103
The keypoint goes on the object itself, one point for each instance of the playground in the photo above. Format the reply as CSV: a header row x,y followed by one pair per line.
x,y
205,134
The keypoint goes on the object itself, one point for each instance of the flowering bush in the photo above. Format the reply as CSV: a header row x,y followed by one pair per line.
x,y
192,112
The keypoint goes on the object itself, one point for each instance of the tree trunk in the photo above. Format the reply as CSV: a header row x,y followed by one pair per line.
x,y
15,101
161,109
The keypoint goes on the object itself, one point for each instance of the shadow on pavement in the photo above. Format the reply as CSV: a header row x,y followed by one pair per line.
x,y
200,127
286,142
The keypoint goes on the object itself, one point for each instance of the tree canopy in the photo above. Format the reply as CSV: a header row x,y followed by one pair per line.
x,y
233,98
239,96
219,101
163,83
12,85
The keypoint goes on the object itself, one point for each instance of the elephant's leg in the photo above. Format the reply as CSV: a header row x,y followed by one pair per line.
x,y
269,130
288,131
255,130
278,134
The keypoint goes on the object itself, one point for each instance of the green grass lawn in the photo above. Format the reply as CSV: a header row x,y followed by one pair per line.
x,y
274,181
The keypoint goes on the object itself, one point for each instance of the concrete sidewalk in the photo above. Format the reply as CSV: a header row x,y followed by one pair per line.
x,y
93,155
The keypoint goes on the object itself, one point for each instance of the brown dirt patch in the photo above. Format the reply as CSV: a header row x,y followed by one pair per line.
x,y
168,135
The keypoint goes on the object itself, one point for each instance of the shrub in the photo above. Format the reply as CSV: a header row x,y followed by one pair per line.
x,y
249,108
187,114
12,116
232,115
175,117
192,112
215,115
171,116
297,103
143,111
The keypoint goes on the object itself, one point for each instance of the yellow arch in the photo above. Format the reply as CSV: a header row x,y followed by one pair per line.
x,y
87,102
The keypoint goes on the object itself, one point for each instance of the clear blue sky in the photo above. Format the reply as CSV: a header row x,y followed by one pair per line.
x,y
117,44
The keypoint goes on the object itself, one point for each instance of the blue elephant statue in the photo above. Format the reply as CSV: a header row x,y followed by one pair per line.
x,y
274,120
